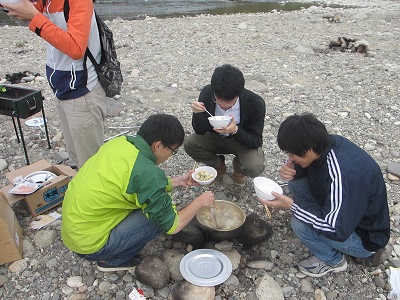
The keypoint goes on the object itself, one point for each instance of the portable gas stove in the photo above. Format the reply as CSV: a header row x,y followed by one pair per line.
x,y
21,103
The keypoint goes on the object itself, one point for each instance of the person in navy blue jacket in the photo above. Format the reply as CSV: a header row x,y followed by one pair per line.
x,y
339,195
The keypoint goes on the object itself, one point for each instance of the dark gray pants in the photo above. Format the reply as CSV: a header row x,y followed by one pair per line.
x,y
205,149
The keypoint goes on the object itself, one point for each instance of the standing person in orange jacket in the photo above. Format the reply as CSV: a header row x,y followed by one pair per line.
x,y
80,99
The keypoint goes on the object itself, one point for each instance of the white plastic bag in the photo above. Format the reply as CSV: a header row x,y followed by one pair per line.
x,y
394,280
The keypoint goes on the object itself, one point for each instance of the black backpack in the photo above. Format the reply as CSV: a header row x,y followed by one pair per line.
x,y
109,69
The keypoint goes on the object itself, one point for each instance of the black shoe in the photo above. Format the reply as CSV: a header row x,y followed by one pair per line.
x,y
376,259
127,266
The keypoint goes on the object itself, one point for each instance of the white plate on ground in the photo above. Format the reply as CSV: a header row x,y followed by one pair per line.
x,y
35,122
40,176
205,267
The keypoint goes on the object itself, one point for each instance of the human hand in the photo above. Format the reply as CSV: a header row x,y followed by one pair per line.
x,y
280,201
206,198
24,10
197,107
287,171
232,128
184,180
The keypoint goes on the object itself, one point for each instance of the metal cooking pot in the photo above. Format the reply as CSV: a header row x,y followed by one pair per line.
x,y
230,218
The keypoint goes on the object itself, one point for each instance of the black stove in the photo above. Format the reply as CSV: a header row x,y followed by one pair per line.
x,y
21,103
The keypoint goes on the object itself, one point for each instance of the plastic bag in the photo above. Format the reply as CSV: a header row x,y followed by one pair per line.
x,y
24,187
394,280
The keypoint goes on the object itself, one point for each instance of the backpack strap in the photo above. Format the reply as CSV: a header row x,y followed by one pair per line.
x,y
66,10
87,52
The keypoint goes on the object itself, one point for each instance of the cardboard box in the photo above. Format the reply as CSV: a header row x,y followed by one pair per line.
x,y
10,233
49,195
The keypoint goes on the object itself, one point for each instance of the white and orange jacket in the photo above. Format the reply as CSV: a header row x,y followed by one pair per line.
x,y
67,43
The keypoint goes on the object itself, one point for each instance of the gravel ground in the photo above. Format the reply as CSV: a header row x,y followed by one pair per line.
x,y
286,58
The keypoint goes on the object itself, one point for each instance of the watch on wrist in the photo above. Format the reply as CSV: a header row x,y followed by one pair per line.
x,y
237,128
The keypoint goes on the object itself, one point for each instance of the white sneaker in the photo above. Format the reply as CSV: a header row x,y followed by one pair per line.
x,y
315,267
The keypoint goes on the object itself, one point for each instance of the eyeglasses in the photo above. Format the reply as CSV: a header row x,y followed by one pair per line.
x,y
224,102
173,150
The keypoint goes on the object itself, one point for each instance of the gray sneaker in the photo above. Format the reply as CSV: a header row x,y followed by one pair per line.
x,y
315,267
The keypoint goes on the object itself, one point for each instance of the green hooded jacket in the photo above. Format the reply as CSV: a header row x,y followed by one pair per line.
x,y
121,177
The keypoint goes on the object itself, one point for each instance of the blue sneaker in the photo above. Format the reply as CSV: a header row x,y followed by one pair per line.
x,y
315,267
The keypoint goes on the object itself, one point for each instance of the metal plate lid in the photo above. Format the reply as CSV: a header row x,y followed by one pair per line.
x,y
205,267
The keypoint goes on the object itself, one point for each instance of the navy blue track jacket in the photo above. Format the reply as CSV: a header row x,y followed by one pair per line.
x,y
349,195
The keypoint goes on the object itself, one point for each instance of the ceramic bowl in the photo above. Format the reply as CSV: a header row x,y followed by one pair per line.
x,y
219,121
264,186
205,170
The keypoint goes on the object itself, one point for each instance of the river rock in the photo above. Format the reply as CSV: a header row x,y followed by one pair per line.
x,y
18,266
184,290
269,289
172,257
254,230
3,164
45,238
153,272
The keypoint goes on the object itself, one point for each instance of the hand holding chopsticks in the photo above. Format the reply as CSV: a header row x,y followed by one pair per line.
x,y
199,107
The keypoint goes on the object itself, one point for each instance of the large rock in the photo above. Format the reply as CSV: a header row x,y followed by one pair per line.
x,y
191,234
173,257
234,256
254,231
153,272
184,290
18,266
269,289
45,238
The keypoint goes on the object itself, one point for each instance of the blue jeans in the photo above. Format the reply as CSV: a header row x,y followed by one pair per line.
x,y
329,251
126,239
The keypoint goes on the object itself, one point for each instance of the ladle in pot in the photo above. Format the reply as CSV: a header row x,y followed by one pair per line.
x,y
215,218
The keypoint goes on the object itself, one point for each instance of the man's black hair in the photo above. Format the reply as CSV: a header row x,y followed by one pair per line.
x,y
300,133
227,82
164,128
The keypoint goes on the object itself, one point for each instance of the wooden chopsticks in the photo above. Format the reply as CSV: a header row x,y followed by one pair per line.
x,y
267,211
190,178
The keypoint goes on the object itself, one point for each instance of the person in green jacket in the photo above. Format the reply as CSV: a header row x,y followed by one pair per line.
x,y
120,199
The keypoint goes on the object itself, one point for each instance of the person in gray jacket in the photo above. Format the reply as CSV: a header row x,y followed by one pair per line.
x,y
226,96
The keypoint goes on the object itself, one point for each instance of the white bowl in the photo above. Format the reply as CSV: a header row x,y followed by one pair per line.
x,y
209,171
264,186
219,121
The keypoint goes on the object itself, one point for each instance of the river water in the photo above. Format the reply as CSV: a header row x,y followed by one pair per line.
x,y
138,9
